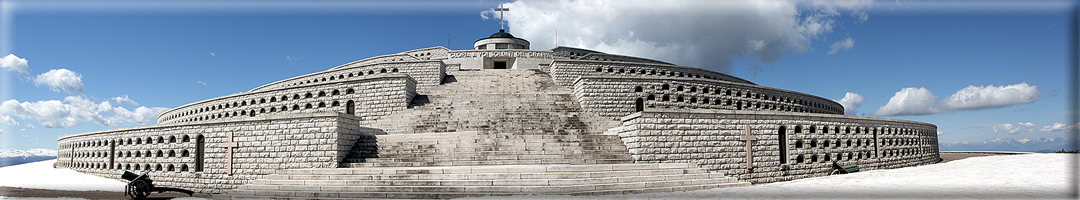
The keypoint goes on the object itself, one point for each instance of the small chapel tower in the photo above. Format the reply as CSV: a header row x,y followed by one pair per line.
x,y
501,40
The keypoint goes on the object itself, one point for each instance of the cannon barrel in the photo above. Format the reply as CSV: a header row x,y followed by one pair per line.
x,y
129,176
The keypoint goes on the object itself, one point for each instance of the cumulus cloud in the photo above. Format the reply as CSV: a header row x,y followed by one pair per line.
x,y
1059,127
702,33
2,131
14,63
8,120
851,103
842,45
1024,127
124,99
75,109
939,133
910,101
1008,129
986,97
61,79
919,101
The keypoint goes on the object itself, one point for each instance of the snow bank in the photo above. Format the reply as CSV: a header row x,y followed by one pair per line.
x,y
42,175
8,153
1025,176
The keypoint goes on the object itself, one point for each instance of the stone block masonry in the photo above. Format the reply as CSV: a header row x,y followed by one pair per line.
x,y
193,155
369,97
563,106
617,96
788,145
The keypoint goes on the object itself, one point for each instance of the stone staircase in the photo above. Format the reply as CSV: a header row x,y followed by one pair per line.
x,y
507,101
470,148
492,132
464,181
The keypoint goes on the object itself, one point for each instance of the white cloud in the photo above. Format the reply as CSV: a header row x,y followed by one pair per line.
x,y
14,63
2,131
987,97
842,45
212,54
61,79
1008,129
1024,127
919,101
8,120
910,101
24,136
124,99
939,133
74,109
1059,127
28,125
200,82
701,33
851,103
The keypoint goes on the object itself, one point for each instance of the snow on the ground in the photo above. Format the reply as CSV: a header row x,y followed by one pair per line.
x,y
5,153
42,175
1025,176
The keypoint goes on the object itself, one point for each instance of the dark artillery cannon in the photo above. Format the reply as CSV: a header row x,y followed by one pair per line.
x,y
141,186
844,169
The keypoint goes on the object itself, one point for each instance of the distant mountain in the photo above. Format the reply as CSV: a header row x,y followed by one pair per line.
x,y
10,157
1009,144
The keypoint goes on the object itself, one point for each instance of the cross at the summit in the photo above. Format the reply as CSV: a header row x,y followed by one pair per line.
x,y
500,9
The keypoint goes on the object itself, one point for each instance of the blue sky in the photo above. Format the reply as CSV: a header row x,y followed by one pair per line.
x,y
159,55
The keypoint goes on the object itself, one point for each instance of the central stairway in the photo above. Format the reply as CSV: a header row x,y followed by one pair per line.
x,y
511,101
464,181
481,133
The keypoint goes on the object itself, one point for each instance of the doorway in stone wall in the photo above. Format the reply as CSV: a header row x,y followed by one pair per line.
x,y
500,65
639,105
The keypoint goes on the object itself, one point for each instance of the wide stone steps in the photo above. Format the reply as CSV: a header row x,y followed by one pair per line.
x,y
485,148
464,181
486,162
509,101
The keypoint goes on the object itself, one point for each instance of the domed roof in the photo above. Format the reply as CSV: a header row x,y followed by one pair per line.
x,y
501,34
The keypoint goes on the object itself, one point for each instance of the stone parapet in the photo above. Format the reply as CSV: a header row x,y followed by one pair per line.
x,y
194,156
788,145
616,96
369,98
425,72
565,71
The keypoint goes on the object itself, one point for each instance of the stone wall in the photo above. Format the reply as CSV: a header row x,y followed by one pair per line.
x,y
566,71
171,151
371,97
811,142
425,72
616,96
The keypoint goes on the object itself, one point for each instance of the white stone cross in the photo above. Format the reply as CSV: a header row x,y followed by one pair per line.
x,y
749,151
229,147
501,10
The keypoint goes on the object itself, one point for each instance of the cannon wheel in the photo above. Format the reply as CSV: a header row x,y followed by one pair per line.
x,y
138,189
